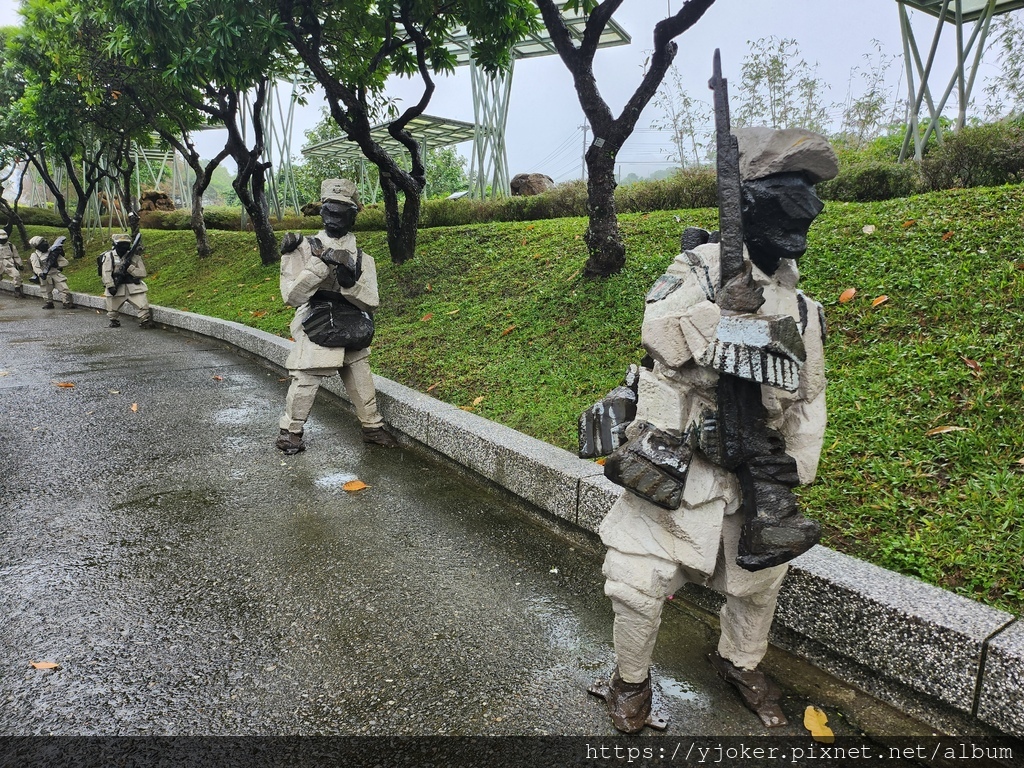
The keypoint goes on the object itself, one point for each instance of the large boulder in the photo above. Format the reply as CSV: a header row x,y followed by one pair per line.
x,y
525,184
154,200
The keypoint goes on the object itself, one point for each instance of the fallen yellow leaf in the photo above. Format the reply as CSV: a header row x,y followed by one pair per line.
x,y
433,386
453,312
947,235
943,430
44,664
478,400
354,485
426,317
814,721
1021,461
508,330
909,223
65,384
847,295
879,300
601,461
135,407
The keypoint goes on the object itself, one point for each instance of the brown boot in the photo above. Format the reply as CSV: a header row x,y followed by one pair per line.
x,y
379,436
290,443
759,692
629,704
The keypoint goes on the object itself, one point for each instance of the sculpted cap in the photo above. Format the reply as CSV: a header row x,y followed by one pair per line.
x,y
35,241
122,238
766,151
339,189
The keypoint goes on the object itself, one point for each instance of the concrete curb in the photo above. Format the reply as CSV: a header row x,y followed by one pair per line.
x,y
944,658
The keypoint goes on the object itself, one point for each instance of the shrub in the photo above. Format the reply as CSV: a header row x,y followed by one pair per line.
x,y
979,156
870,181
40,217
686,188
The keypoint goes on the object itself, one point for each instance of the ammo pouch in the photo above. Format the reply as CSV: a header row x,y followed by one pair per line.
x,y
333,321
653,465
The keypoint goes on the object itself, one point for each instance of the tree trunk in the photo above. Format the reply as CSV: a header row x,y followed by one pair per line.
x,y
77,241
250,190
401,225
603,239
198,223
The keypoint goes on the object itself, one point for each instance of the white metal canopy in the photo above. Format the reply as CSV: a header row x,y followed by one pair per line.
x,y
969,49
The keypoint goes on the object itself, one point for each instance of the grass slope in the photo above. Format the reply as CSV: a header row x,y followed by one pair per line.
x,y
497,319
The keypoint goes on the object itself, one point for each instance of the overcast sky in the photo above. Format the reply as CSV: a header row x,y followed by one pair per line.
x,y
544,129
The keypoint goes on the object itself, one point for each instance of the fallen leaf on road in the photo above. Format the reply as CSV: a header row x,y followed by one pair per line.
x,y
944,430
354,485
5,373
879,300
218,378
65,384
44,664
135,407
847,295
814,721
114,391
601,461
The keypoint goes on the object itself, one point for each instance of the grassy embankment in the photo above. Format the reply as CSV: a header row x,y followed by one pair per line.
x,y
497,319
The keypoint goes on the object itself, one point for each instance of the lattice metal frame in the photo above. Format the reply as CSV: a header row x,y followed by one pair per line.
x,y
958,13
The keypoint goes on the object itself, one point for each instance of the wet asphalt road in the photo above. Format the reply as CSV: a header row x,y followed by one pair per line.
x,y
189,579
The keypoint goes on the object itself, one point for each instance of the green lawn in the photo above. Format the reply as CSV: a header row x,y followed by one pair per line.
x,y
497,318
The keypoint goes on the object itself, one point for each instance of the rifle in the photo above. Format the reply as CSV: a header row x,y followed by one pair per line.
x,y
52,257
120,275
737,437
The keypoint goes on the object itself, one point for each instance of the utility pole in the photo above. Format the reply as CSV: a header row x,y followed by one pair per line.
x,y
583,158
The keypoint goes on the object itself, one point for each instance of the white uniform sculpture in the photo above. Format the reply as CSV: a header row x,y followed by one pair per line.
x,y
10,263
653,551
329,269
47,263
124,281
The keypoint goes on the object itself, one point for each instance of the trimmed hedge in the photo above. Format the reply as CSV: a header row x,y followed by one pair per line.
x,y
871,181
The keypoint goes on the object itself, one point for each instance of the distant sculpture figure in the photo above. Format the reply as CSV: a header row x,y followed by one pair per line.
x,y
10,262
47,263
333,283
121,270
726,418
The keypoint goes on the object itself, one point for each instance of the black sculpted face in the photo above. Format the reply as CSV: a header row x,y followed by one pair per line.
x,y
338,217
44,245
777,212
122,247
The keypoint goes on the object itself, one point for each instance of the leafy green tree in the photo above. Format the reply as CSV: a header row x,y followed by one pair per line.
x,y
867,116
58,119
1005,92
446,172
219,58
352,46
688,120
779,89
607,252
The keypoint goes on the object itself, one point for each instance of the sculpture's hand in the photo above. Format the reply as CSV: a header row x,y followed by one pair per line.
x,y
741,293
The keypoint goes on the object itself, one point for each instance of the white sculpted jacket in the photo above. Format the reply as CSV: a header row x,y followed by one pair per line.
x,y
302,275
677,329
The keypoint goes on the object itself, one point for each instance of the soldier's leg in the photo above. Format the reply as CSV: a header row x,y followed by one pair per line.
x,y
60,284
358,381
141,302
113,309
297,405
746,619
47,288
637,586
